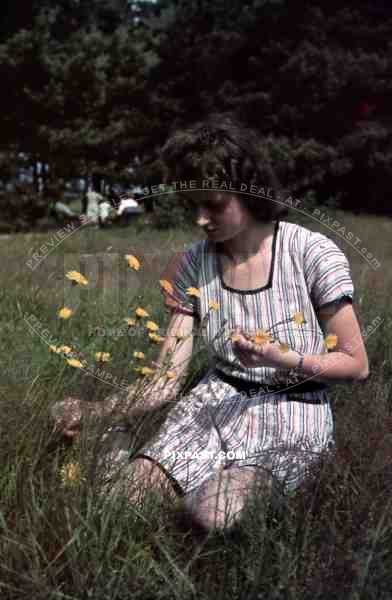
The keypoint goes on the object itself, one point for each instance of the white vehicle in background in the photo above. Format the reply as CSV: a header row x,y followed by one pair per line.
x,y
127,208
123,211
128,205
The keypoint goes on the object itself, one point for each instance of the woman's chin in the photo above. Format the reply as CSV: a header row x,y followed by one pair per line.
x,y
213,235
218,236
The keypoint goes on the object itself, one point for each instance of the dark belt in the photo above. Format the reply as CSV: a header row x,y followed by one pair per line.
x,y
258,388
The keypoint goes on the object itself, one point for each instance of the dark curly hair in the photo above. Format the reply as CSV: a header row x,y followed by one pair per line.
x,y
222,148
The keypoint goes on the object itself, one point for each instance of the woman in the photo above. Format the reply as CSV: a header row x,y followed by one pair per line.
x,y
281,289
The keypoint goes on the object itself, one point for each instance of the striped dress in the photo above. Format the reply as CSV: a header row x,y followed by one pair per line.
x,y
283,431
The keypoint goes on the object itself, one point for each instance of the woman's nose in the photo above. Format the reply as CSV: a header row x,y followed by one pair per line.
x,y
202,218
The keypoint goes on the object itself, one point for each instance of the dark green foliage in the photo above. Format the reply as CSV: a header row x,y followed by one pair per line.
x,y
93,85
313,80
170,210
22,210
74,98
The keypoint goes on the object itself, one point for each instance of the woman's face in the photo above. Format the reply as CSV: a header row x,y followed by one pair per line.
x,y
220,214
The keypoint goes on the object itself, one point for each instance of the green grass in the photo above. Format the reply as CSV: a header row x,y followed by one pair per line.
x,y
330,540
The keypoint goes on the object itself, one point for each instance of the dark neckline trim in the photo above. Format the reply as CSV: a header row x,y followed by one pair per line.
x,y
268,285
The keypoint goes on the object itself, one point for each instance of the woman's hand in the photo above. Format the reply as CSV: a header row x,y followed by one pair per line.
x,y
269,354
66,416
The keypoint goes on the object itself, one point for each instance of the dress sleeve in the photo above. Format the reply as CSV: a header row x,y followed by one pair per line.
x,y
327,271
182,274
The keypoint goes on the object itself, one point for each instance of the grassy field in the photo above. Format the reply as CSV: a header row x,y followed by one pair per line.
x,y
63,541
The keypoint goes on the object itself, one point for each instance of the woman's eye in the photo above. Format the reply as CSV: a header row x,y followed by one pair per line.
x,y
215,205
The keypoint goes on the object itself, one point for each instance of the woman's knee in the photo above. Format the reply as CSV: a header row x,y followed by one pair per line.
x,y
139,476
209,519
219,502
148,474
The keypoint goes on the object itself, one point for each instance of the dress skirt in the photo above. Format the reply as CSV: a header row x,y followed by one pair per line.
x,y
214,427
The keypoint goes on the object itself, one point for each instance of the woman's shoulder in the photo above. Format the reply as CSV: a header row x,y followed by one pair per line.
x,y
197,247
295,237
294,228
301,237
185,259
316,248
194,251
190,251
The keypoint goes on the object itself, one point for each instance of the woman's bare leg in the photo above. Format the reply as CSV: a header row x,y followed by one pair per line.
x,y
218,503
138,477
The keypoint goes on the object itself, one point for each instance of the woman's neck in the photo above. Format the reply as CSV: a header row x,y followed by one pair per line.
x,y
251,241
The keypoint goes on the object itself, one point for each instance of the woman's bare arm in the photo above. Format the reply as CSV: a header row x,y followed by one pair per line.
x,y
148,394
175,356
349,359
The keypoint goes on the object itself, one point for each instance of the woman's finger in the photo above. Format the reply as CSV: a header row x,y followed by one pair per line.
x,y
71,433
240,343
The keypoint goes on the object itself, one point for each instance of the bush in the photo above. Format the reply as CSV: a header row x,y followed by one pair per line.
x,y
22,210
170,211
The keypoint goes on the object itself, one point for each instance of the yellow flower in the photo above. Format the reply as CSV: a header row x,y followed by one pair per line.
x,y
70,473
64,313
192,291
166,286
141,312
154,337
284,347
131,322
133,262
146,371
103,356
298,318
171,375
77,277
261,338
235,337
74,362
330,341
63,350
139,355
151,326
60,349
213,304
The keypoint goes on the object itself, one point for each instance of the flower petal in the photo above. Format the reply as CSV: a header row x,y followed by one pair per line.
x,y
77,277
298,318
133,262
166,286
192,291
151,326
64,312
141,312
330,341
103,356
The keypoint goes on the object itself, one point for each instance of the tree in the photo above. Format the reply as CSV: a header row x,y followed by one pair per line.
x,y
91,84
303,75
75,100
